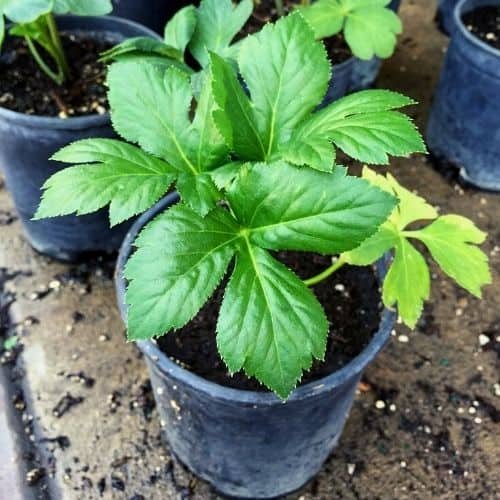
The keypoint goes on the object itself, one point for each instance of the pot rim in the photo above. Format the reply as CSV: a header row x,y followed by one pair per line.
x,y
461,8
168,367
76,122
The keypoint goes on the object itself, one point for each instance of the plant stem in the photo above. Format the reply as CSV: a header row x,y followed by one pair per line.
x,y
279,7
326,273
38,58
61,61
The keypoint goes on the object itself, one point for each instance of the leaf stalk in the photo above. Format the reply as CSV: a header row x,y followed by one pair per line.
x,y
318,278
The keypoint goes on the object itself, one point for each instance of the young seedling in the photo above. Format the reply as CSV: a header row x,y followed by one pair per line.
x,y
34,20
209,28
257,175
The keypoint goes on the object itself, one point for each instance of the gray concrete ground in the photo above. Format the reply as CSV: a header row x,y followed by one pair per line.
x,y
88,408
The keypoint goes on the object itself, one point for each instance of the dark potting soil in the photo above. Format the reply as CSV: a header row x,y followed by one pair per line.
x,y
336,46
25,88
484,23
351,300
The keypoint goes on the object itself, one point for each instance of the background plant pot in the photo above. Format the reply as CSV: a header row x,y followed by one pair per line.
x,y
26,144
445,15
249,444
151,13
354,74
464,124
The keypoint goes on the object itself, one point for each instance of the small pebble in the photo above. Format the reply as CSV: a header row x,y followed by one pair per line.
x,y
379,404
483,339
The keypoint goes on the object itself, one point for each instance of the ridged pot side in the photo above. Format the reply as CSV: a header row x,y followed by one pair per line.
x,y
463,127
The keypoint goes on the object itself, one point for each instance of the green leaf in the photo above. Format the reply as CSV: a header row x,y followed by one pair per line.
x,y
288,208
127,178
370,30
234,116
225,175
199,192
451,240
363,125
407,283
373,248
26,11
141,46
180,29
180,260
2,30
150,106
83,7
218,22
326,17
270,324
211,148
287,75
411,207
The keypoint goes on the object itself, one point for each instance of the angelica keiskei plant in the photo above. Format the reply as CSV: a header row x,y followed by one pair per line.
x,y
34,21
368,26
256,172
211,27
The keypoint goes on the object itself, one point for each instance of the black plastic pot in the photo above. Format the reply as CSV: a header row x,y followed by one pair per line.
x,y
354,74
151,13
26,144
249,444
464,124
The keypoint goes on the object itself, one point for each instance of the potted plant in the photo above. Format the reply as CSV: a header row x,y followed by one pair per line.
x,y
356,34
463,126
261,195
51,93
151,13
189,36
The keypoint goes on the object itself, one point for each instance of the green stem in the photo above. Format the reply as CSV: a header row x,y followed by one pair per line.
x,y
326,273
57,45
279,7
58,78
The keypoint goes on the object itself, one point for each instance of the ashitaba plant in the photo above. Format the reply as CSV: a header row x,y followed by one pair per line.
x,y
256,173
211,27
369,27
34,20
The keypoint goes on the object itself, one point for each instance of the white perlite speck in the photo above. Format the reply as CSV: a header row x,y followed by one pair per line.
x,y
403,338
483,339
379,404
351,468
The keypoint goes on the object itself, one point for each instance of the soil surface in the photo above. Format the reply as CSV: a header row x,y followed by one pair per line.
x,y
25,88
351,300
336,46
484,22
425,424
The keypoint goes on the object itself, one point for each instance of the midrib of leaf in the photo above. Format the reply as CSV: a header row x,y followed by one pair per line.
x,y
178,146
256,269
299,219
249,120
